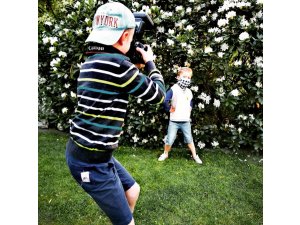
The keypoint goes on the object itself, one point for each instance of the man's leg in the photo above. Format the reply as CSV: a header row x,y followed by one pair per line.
x,y
132,195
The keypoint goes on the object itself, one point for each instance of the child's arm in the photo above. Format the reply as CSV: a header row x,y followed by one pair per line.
x,y
166,103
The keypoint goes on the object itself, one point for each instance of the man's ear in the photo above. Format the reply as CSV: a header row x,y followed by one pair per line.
x,y
123,37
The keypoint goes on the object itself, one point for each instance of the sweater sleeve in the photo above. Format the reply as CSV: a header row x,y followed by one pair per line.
x,y
150,88
167,100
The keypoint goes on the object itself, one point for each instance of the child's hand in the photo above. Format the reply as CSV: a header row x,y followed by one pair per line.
x,y
172,109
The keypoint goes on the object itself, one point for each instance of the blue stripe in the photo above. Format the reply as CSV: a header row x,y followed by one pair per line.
x,y
137,86
99,125
97,90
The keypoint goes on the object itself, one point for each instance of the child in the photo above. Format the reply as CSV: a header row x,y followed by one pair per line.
x,y
106,80
180,97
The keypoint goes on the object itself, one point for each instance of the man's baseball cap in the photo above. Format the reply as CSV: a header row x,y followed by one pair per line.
x,y
110,21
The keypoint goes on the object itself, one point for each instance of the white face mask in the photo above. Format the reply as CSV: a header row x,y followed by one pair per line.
x,y
184,82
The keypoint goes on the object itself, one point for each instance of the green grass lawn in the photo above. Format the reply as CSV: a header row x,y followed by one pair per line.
x,y
224,190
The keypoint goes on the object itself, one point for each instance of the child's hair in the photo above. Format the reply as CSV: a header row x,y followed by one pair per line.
x,y
182,70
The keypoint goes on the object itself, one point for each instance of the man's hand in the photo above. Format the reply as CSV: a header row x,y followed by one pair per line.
x,y
146,55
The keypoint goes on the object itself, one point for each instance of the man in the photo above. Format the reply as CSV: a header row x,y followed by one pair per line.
x,y
105,81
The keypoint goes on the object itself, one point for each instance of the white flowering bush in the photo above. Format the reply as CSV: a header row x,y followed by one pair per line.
x,y
220,40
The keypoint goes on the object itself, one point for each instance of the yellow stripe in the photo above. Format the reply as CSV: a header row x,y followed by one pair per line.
x,y
162,99
110,83
91,149
101,116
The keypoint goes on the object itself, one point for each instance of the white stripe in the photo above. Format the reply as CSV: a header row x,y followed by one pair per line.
x,y
104,62
157,75
156,93
94,133
120,100
102,109
145,92
93,142
106,72
95,99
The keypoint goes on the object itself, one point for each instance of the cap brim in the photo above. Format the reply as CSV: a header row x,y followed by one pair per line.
x,y
106,37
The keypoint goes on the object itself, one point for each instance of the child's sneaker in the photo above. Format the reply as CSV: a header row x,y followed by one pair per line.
x,y
198,160
162,157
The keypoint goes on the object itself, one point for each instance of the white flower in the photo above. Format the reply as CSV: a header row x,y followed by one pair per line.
x,y
258,61
230,14
66,30
87,20
155,138
259,1
183,44
53,40
62,54
207,99
188,10
214,16
67,85
51,49
237,62
152,120
73,95
220,79
54,62
64,110
191,1
208,49
224,47
201,145
170,42
195,88
42,80
244,23
144,141
54,68
135,138
215,144
220,54
243,36
179,8
78,32
141,113
213,2
48,23
258,84
170,31
251,116
201,106
139,100
189,28
198,7
77,4
218,39
204,18
66,76
240,130
235,92
88,29
222,22
63,95
136,4
190,52
214,30
216,103
46,40
160,29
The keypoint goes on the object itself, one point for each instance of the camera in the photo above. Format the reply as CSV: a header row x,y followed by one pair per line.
x,y
142,23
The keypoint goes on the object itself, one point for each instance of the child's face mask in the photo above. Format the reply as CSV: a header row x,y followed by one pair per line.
x,y
184,82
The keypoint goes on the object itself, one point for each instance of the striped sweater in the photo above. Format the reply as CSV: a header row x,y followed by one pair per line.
x,y
104,84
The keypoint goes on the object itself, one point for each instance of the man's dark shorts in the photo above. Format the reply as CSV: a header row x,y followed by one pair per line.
x,y
105,182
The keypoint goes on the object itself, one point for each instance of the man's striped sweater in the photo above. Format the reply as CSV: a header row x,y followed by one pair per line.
x,y
105,82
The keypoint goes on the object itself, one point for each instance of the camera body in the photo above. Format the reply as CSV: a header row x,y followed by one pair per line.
x,y
143,22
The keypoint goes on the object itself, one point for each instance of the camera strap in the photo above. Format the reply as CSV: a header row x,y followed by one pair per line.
x,y
96,48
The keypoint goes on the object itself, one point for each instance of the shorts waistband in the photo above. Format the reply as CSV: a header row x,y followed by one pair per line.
x,y
87,155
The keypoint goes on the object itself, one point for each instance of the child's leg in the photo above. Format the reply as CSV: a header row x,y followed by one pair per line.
x,y
172,132
188,138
